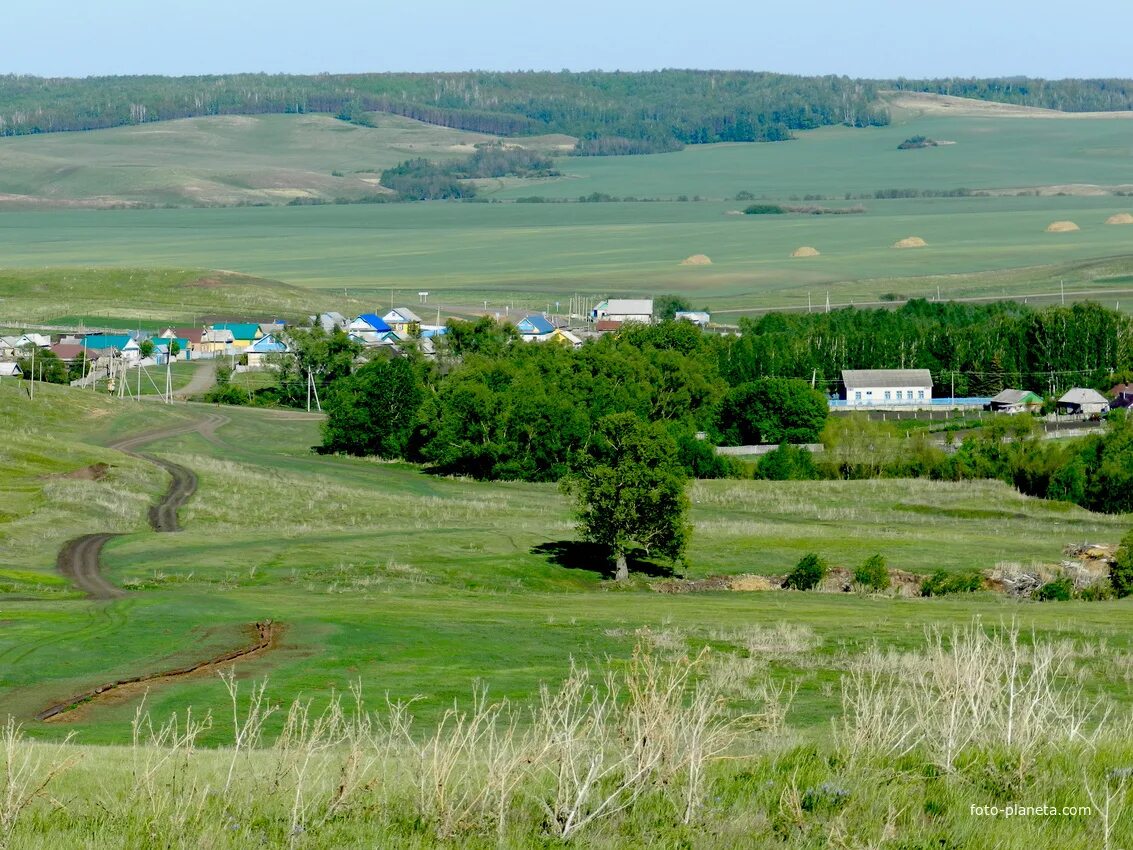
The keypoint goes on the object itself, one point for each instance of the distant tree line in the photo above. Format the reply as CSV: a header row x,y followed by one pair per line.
x,y
611,113
1097,95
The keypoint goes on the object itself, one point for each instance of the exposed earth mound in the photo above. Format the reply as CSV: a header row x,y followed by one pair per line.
x,y
1120,218
1062,227
805,251
910,242
697,260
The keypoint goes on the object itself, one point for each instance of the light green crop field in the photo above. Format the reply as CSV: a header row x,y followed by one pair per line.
x,y
530,256
418,585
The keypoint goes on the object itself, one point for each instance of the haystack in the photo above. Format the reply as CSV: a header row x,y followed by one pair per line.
x,y
805,251
1062,227
696,260
1120,218
910,242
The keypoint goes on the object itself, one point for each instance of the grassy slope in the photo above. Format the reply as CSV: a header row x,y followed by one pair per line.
x,y
220,160
418,585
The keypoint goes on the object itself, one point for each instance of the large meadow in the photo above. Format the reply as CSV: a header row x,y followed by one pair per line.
x,y
1036,170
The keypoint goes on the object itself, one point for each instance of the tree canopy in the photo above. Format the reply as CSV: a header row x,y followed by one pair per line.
x,y
630,491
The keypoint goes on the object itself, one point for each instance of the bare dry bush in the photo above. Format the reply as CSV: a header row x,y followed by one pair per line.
x,y
23,780
973,687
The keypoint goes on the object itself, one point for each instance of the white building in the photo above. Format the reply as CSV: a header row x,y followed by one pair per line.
x,y
697,317
624,310
10,370
1080,400
887,387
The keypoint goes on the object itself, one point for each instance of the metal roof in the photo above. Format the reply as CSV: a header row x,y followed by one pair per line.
x,y
886,378
1015,397
1080,395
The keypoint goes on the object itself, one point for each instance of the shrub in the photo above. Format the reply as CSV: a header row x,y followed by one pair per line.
x,y
227,394
1097,592
1121,568
873,573
1056,590
807,574
764,209
942,582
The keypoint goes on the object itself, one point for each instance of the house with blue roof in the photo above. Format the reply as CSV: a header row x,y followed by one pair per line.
x,y
535,328
371,328
259,350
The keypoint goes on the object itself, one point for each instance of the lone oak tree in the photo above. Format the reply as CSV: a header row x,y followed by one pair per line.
x,y
630,490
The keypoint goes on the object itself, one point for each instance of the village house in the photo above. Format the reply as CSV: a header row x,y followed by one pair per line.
x,y
68,352
886,387
243,333
8,347
534,328
566,337
1122,396
624,310
188,338
371,329
11,369
1081,400
216,341
122,345
1015,401
697,317
330,322
259,351
400,319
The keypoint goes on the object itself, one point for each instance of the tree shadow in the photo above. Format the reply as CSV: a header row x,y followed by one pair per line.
x,y
595,558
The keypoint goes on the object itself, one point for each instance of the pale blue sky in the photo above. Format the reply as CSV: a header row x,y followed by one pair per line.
x,y
861,38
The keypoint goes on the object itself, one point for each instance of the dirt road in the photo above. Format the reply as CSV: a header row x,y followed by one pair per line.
x,y
80,559
203,380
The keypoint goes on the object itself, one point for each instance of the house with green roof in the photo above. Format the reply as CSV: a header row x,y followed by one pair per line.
x,y
243,333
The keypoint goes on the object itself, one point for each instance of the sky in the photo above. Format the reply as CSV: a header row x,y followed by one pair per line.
x,y
858,38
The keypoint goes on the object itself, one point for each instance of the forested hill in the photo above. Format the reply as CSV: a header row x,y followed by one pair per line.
x,y
608,112
1113,95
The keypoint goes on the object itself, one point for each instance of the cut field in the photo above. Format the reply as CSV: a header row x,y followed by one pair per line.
x,y
417,585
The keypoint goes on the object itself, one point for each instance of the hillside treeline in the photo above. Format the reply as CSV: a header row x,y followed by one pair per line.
x,y
609,112
983,348
1100,95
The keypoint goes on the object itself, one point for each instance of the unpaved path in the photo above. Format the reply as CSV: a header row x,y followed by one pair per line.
x,y
80,559
266,637
203,380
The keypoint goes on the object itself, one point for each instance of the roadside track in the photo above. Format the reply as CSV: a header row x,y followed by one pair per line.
x,y
80,559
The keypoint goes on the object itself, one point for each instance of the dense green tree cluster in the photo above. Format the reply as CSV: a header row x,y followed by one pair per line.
x,y
983,348
421,179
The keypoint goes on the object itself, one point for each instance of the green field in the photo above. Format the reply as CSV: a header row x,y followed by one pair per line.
x,y
417,584
530,256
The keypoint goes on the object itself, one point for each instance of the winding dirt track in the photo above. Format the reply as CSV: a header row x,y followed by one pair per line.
x,y
80,559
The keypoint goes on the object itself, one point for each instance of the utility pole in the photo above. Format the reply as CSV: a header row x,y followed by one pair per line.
x,y
309,385
32,394
1062,283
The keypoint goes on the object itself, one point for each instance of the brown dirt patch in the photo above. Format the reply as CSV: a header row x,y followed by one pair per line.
x,y
1120,218
697,260
910,242
1062,227
94,472
266,636
805,251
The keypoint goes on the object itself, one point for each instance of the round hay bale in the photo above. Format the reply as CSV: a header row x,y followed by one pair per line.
x,y
805,251
910,242
1062,227
696,260
1120,218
